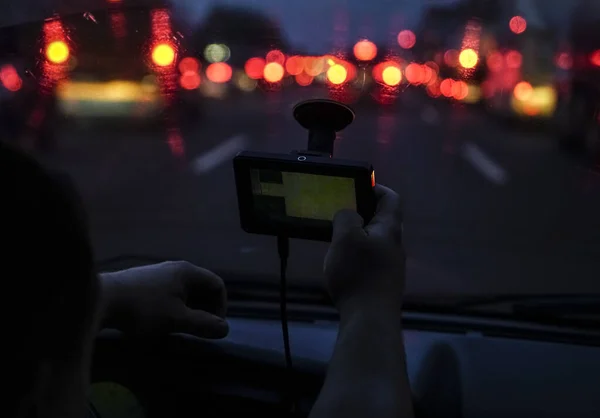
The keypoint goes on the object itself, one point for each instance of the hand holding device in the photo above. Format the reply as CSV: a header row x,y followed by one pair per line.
x,y
365,264
297,195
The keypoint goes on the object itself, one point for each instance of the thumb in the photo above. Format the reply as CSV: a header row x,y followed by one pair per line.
x,y
347,223
201,324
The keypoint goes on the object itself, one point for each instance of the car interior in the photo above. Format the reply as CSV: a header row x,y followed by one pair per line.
x,y
458,365
538,362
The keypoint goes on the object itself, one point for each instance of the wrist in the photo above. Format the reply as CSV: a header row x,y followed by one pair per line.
x,y
371,310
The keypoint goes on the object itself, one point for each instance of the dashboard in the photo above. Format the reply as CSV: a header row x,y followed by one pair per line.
x,y
458,367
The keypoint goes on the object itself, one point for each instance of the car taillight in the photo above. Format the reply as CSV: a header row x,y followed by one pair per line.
x,y
163,55
57,52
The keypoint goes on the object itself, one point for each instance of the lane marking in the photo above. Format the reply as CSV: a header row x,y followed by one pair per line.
x,y
487,167
219,154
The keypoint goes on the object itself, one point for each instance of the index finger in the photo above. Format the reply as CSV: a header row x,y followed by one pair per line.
x,y
388,215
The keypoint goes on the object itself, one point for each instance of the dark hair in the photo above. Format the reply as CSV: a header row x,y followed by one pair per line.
x,y
48,286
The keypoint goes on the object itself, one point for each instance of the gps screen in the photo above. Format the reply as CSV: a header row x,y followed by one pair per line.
x,y
281,196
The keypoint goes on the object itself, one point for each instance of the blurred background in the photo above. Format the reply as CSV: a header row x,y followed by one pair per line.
x,y
482,114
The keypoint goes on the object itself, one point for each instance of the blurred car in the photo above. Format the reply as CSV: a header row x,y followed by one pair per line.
x,y
120,63
579,126
454,40
222,38
520,83
368,72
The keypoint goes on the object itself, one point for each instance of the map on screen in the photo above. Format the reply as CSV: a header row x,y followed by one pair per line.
x,y
278,194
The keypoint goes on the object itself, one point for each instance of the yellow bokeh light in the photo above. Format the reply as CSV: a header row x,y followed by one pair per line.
x,y
163,55
57,52
337,74
468,58
273,72
392,76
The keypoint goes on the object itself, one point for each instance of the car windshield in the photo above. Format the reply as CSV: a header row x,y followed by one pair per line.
x,y
481,114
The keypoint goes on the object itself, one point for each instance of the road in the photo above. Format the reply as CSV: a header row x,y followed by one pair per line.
x,y
487,208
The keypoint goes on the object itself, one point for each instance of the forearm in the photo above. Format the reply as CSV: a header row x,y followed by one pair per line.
x,y
367,375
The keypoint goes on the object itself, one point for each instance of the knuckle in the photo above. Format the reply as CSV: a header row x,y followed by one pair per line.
x,y
181,266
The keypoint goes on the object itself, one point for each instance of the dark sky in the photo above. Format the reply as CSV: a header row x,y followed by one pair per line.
x,y
314,25
323,25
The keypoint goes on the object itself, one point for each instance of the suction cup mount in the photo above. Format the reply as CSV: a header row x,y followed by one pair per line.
x,y
323,119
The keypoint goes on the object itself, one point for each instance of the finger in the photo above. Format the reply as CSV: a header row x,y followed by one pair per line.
x,y
347,223
201,324
388,215
388,203
206,286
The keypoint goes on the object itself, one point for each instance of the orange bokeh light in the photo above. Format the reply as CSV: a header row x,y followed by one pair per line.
x,y
460,90
446,87
219,72
304,79
294,65
365,50
523,91
414,73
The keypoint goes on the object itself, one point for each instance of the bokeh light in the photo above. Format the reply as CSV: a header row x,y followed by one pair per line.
x,y
365,50
163,55
517,24
57,52
273,72
189,64
337,74
407,39
219,72
217,53
468,58
254,68
391,75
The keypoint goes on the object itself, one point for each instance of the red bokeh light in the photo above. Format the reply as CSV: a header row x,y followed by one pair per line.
x,y
254,68
517,24
277,56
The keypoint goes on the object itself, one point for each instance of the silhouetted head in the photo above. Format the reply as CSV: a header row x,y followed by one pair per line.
x,y
49,291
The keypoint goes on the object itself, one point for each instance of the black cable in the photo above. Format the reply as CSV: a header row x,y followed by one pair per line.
x,y
283,249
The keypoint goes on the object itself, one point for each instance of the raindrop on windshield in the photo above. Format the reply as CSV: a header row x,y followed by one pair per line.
x,y
89,16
